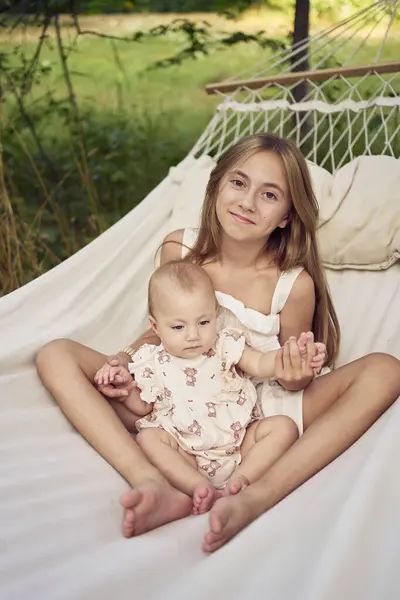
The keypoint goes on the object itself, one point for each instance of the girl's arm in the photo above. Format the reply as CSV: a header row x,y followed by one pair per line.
x,y
296,316
298,313
148,337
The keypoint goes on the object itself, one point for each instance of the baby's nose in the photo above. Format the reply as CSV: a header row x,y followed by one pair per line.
x,y
192,333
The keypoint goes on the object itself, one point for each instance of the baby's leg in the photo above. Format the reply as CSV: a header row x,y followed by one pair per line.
x,y
265,441
179,467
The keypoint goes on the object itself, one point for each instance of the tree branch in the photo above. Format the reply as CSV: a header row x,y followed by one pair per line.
x,y
93,200
28,76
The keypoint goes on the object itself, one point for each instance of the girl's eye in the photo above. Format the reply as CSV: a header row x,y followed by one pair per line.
x,y
237,182
204,322
270,196
177,327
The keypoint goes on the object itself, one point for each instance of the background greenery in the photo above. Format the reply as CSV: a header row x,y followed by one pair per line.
x,y
88,125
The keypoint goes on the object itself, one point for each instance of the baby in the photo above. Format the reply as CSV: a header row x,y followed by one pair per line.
x,y
196,399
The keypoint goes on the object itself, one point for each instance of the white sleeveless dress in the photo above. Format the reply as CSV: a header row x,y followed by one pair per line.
x,y
261,332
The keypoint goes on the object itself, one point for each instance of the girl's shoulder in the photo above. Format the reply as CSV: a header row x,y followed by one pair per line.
x,y
295,284
175,236
301,283
171,248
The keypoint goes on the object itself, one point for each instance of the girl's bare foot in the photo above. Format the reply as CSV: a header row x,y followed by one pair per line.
x,y
204,497
152,504
236,484
228,516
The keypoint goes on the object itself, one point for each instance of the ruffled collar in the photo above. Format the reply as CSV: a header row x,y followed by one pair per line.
x,y
250,318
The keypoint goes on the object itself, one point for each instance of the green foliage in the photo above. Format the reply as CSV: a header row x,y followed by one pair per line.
x,y
223,6
82,150
88,126
174,6
228,7
108,7
127,156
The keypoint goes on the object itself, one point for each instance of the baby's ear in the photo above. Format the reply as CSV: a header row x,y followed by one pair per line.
x,y
153,324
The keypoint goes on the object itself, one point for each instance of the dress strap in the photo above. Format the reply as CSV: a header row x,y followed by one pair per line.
x,y
189,239
283,289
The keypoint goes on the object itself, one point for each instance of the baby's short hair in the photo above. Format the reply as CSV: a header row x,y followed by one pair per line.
x,y
185,275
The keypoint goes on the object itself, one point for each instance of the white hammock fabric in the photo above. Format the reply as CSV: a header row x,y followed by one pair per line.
x,y
60,518
335,537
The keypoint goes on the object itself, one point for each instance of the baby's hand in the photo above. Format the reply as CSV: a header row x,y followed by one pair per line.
x,y
113,379
319,358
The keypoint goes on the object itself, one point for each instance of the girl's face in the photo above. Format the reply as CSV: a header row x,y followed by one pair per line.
x,y
254,198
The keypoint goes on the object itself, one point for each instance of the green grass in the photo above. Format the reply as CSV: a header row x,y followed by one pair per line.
x,y
103,82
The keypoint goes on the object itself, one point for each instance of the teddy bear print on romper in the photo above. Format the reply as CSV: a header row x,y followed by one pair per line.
x,y
203,402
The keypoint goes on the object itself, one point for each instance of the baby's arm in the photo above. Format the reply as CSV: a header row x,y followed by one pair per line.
x,y
262,364
258,364
138,406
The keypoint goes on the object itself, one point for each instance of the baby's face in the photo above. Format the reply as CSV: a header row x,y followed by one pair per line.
x,y
187,322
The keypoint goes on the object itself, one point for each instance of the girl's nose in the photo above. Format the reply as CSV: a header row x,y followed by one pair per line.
x,y
247,201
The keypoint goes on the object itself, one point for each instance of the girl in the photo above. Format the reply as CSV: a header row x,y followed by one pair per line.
x,y
257,241
195,403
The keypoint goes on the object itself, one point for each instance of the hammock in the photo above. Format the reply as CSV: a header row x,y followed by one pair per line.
x,y
59,512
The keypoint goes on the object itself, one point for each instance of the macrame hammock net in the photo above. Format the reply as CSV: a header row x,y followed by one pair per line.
x,y
344,111
336,536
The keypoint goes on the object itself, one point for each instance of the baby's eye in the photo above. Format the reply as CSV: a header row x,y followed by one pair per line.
x,y
177,327
204,323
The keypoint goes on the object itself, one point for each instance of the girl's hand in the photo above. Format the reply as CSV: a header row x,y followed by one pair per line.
x,y
293,364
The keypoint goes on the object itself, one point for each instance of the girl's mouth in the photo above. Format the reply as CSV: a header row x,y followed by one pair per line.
x,y
241,219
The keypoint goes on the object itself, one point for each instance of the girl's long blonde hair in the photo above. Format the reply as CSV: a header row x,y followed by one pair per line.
x,y
295,245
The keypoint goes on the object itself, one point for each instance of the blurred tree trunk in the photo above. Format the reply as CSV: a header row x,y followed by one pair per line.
x,y
301,32
300,61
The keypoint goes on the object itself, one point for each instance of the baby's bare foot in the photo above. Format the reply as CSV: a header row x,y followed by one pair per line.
x,y
236,484
302,343
204,497
151,505
228,516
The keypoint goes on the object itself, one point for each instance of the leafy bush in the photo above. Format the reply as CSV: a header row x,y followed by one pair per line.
x,y
127,156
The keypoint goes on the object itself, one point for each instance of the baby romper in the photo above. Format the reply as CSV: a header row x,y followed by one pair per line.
x,y
202,402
